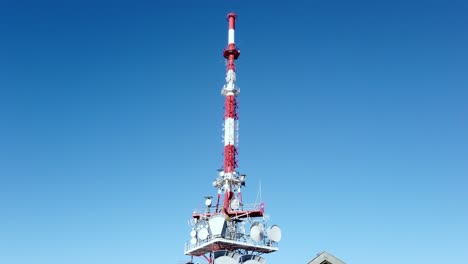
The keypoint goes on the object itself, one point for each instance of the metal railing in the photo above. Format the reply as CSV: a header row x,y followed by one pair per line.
x,y
237,237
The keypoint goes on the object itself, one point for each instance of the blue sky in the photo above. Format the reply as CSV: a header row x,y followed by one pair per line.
x,y
352,117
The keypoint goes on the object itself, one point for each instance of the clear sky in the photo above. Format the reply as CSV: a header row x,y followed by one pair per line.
x,y
353,115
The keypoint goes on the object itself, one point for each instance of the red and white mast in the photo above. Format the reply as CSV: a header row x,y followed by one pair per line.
x,y
223,235
230,91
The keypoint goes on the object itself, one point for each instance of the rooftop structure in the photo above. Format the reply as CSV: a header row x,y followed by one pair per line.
x,y
325,258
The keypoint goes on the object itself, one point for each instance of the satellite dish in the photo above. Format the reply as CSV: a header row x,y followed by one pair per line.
x,y
257,232
235,204
203,233
193,241
226,257
252,259
208,202
193,233
274,233
217,225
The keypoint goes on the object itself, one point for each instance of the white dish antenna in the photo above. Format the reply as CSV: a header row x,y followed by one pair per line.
x,y
203,233
217,225
252,259
193,241
208,202
193,233
226,257
257,232
274,233
235,204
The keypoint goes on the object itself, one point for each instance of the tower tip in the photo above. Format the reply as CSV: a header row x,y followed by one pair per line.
x,y
232,14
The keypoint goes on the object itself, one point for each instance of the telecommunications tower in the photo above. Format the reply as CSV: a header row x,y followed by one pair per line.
x,y
229,231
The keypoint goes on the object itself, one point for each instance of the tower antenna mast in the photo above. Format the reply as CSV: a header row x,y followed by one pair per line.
x,y
232,232
230,91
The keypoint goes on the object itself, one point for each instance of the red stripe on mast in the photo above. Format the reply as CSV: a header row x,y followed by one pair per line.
x,y
230,106
232,20
230,158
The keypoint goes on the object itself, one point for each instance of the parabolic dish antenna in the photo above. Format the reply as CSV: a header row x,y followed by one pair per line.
x,y
217,225
252,259
193,241
226,257
235,204
193,233
203,233
257,232
274,233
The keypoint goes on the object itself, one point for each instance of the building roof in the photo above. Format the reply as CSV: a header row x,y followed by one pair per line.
x,y
325,258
